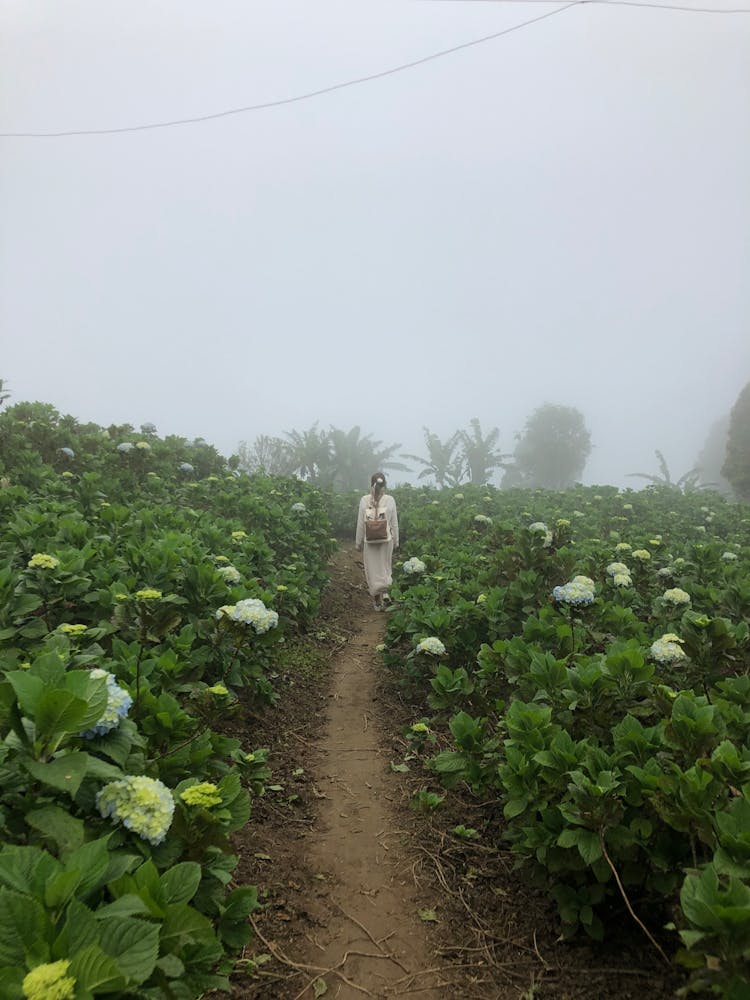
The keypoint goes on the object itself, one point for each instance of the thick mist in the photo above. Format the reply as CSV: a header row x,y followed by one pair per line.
x,y
557,215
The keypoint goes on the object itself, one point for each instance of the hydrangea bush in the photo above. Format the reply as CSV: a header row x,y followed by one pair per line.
x,y
605,713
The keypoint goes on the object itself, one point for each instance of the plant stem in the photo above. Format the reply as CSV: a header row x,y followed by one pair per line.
x,y
624,895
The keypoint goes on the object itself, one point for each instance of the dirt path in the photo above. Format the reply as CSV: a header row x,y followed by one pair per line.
x,y
342,916
374,936
344,867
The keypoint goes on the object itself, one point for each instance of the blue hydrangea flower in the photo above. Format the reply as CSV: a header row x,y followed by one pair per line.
x,y
125,447
119,703
577,592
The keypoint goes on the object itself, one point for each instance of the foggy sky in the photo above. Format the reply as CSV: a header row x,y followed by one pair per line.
x,y
558,215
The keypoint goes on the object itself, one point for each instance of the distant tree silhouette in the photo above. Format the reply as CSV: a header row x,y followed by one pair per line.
x,y
737,464
552,450
269,456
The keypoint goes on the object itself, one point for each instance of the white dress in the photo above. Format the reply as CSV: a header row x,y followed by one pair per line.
x,y
378,555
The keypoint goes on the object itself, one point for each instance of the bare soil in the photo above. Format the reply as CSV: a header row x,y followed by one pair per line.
x,y
362,895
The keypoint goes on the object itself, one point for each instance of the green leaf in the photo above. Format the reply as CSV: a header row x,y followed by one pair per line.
x,y
58,712
92,860
57,825
128,905
63,773
183,926
28,689
96,972
23,928
26,869
60,889
180,883
320,987
92,691
133,943
171,966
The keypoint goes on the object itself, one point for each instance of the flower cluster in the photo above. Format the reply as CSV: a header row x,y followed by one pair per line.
x,y
414,565
186,467
218,689
40,560
431,645
540,528
617,567
143,446
299,508
578,592
125,447
148,595
623,547
729,556
49,982
119,703
620,574
230,574
642,555
676,596
251,611
482,519
68,452
202,796
73,630
667,649
237,536
143,805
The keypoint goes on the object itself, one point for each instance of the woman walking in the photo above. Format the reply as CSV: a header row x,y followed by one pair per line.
x,y
377,534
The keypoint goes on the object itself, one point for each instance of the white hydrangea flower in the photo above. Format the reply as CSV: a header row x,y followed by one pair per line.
x,y
617,569
143,805
431,645
667,649
414,566
540,528
230,574
676,596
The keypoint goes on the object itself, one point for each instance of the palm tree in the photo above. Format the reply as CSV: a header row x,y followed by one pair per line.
x,y
479,454
311,454
442,463
355,457
686,484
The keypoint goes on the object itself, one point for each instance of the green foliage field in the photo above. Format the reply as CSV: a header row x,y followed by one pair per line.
x,y
584,663
143,590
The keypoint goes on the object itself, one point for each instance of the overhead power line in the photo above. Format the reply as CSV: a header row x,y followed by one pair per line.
x,y
266,105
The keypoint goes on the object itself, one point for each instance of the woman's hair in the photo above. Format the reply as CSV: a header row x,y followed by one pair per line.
x,y
377,479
